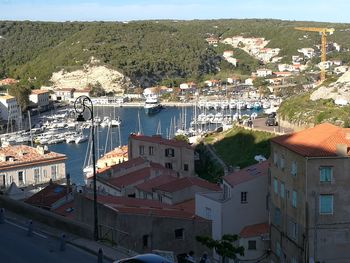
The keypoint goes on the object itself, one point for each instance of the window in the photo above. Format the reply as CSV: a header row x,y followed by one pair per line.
x,y
275,186
169,165
244,197
151,150
275,159
251,244
20,178
227,193
145,239
185,167
326,173
326,204
36,175
294,169
2,181
282,190
179,233
278,249
53,172
142,150
169,152
282,163
277,216
294,198
292,230
208,213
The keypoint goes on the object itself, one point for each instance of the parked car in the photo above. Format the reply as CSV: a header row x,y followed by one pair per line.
x,y
271,121
144,258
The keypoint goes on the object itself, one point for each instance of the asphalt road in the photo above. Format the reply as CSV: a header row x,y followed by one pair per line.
x,y
17,247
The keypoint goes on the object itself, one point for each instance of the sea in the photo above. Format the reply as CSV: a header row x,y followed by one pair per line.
x,y
134,120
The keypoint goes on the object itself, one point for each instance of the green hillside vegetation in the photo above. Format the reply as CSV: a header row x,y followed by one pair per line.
x,y
238,146
149,52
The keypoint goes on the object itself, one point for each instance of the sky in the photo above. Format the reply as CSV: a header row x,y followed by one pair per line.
x,y
124,10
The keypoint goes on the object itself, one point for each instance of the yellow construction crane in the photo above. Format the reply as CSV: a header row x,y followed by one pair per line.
x,y
323,32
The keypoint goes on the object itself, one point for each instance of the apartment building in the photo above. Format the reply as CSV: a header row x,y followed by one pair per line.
x,y
40,98
309,195
172,154
10,110
25,165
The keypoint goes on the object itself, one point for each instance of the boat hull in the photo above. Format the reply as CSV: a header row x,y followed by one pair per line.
x,y
153,110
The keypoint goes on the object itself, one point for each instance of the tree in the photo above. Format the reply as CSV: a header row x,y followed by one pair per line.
x,y
223,247
21,92
181,137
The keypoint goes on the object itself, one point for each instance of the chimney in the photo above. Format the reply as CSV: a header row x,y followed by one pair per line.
x,y
237,169
342,150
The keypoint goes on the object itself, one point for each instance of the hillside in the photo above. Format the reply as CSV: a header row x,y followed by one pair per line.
x,y
148,52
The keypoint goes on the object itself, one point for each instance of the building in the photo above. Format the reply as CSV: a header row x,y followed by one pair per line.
x,y
63,94
212,40
144,225
262,73
116,156
255,240
51,197
25,165
40,99
233,80
212,82
309,195
81,92
8,81
10,110
172,154
240,203
228,53
188,86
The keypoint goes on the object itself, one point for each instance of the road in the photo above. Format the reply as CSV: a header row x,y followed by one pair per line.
x,y
17,247
260,125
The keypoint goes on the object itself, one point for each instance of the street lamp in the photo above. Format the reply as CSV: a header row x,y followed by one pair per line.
x,y
81,104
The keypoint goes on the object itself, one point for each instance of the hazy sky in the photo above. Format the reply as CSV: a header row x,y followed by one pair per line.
x,y
121,10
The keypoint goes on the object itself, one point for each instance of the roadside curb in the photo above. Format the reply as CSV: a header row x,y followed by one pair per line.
x,y
90,250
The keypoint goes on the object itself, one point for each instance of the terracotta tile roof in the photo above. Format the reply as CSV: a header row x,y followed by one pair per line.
x,y
188,206
187,182
39,91
125,165
136,206
247,174
48,196
159,140
8,81
319,141
149,185
23,155
117,152
254,230
139,175
66,210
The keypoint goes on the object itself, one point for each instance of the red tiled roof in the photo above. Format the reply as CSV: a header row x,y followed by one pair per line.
x,y
319,141
188,206
66,210
254,230
138,175
39,91
125,165
159,180
159,140
48,196
186,182
247,174
143,207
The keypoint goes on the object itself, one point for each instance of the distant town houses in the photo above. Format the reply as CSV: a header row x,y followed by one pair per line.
x,y
188,86
8,81
40,99
307,52
25,166
308,191
212,40
262,73
10,111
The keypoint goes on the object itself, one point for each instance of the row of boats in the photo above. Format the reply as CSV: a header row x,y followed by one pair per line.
x,y
238,104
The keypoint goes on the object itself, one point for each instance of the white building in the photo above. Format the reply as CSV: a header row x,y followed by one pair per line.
x,y
188,86
25,165
228,53
9,109
263,72
242,201
307,52
40,98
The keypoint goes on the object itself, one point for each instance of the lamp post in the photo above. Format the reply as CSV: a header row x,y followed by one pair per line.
x,y
81,104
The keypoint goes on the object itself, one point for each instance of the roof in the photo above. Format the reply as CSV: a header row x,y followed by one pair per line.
x,y
319,141
159,140
249,173
189,205
157,181
66,210
39,91
138,175
117,152
254,230
48,196
124,165
187,182
6,97
23,155
136,206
